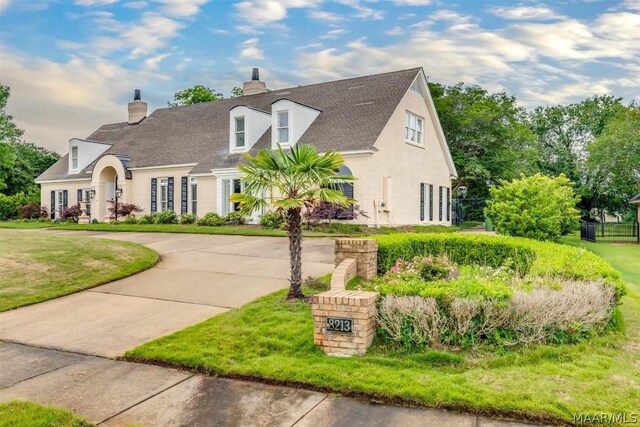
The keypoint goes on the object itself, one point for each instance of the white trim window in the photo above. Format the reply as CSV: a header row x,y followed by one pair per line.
x,y
414,128
240,140
74,158
194,195
59,203
283,127
163,183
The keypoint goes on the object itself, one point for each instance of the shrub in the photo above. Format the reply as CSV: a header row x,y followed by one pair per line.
x,y
125,210
211,219
272,220
9,204
130,220
166,217
148,219
484,250
537,207
317,284
235,218
72,213
32,211
188,218
570,313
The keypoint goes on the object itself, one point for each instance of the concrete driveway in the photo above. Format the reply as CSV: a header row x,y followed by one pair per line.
x,y
198,276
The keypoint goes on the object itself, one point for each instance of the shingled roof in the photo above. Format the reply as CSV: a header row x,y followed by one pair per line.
x,y
353,114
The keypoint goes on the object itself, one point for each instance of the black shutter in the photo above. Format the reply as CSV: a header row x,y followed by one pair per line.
x,y
65,199
170,193
440,204
421,202
183,195
430,202
154,194
448,204
53,205
79,197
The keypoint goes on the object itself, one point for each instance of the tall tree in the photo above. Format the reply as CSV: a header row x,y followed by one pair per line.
x,y
20,162
195,95
614,161
564,133
487,135
290,181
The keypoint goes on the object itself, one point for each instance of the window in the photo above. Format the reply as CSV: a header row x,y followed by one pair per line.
x,y
229,187
283,127
430,202
421,201
59,202
194,196
86,197
74,158
239,132
440,205
413,128
164,194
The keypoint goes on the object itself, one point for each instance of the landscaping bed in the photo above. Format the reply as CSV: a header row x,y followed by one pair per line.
x,y
272,341
35,267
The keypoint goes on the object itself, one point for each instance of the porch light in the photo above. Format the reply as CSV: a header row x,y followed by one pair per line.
x,y
92,193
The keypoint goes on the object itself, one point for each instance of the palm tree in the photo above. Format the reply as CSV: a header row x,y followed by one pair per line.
x,y
291,181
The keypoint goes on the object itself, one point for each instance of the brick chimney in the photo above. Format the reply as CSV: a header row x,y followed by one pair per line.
x,y
137,109
255,86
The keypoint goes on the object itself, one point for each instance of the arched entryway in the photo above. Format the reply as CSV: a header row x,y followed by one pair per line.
x,y
108,186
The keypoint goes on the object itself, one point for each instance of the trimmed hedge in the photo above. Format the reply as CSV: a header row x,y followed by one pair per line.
x,y
476,249
527,257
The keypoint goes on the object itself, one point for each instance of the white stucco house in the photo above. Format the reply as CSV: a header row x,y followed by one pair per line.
x,y
185,158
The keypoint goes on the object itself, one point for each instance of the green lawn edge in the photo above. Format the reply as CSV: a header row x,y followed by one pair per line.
x,y
75,281
28,414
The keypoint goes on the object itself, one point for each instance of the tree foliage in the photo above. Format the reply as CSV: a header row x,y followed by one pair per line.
x,y
195,95
291,181
487,134
564,134
538,207
20,162
614,161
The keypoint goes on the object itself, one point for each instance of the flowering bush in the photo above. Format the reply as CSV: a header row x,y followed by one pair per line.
x,y
32,211
72,213
125,209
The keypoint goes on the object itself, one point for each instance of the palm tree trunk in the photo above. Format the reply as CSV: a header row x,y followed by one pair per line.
x,y
294,230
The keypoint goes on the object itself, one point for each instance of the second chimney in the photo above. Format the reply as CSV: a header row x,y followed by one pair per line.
x,y
255,86
137,109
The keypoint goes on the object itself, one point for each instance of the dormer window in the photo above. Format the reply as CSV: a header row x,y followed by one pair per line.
x,y
414,126
74,158
283,127
239,127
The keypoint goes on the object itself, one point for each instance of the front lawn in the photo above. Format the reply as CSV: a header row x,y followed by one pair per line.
x,y
273,342
35,267
27,414
333,230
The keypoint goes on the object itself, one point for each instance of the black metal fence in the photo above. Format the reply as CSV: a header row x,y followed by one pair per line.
x,y
468,210
610,232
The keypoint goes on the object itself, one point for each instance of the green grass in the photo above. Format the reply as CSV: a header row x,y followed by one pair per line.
x,y
27,414
35,267
273,341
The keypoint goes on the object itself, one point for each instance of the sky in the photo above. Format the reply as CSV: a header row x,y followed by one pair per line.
x,y
72,65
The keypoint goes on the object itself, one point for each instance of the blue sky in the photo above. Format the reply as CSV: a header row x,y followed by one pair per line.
x,y
73,64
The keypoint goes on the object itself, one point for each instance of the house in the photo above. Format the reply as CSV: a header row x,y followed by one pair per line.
x,y
184,158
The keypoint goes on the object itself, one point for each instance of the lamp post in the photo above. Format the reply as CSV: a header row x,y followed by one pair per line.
x,y
461,193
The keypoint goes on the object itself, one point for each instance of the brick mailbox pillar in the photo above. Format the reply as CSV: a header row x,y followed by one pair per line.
x,y
364,251
344,321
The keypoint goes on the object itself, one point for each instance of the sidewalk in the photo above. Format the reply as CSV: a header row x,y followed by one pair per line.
x,y
118,393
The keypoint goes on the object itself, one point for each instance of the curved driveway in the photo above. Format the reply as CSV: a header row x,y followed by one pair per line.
x,y
198,276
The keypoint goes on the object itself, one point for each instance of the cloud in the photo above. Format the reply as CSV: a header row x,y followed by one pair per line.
x,y
180,8
412,2
395,31
249,49
67,44
260,13
94,2
135,4
54,102
330,17
4,4
153,62
528,13
362,11
334,34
